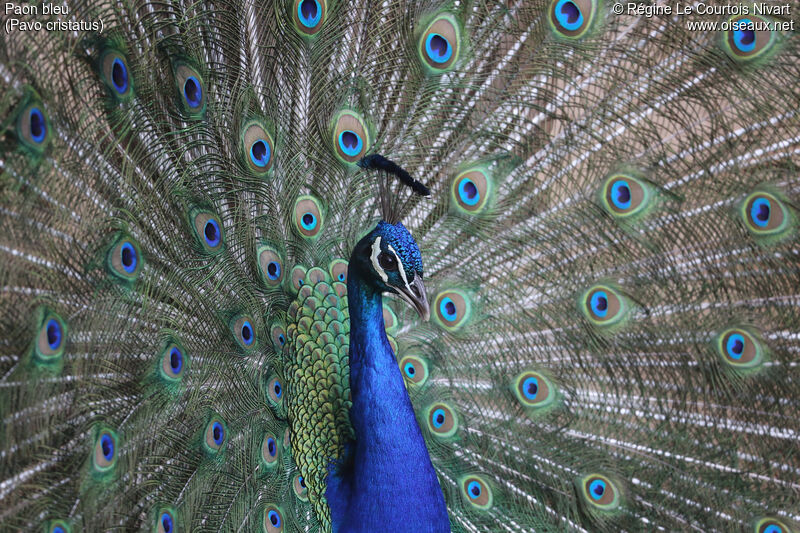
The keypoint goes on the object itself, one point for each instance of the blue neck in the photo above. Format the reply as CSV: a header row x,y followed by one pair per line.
x,y
391,484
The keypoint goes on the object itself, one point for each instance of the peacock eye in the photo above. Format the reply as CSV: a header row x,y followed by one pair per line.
x,y
387,261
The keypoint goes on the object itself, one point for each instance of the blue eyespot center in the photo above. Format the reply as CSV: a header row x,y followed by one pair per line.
x,y
38,126
274,518
193,92
128,257
282,339
468,192
760,211
410,370
107,445
53,334
341,277
301,481
772,528
309,12
58,529
247,333
271,448
735,346
350,143
744,37
119,76
278,389
621,195
438,418
530,387
448,309
596,489
166,522
211,231
438,48
569,15
274,270
308,221
175,360
260,153
599,304
217,433
474,489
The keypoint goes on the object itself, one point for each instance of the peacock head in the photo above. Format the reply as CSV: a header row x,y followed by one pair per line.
x,y
388,260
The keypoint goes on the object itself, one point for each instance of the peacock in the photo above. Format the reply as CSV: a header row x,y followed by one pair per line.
x,y
447,265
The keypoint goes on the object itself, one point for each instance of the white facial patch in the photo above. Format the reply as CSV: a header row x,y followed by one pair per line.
x,y
400,267
376,250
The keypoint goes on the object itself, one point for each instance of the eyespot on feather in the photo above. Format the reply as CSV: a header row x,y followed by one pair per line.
x,y
471,190
57,526
124,259
191,89
215,435
599,491
770,525
275,390
440,43
442,420
269,450
273,519
765,215
105,451
414,369
208,231
338,270
308,217
299,486
740,348
747,38
625,196
51,337
476,491
165,521
278,335
534,390
572,19
603,305
309,16
258,148
452,309
351,138
33,125
270,266
116,74
244,332
173,362
298,277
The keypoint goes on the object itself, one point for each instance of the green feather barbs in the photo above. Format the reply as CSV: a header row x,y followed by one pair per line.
x,y
440,44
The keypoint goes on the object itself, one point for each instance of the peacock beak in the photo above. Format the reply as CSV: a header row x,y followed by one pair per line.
x,y
414,294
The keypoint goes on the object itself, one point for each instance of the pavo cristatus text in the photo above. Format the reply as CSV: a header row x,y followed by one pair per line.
x,y
213,315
